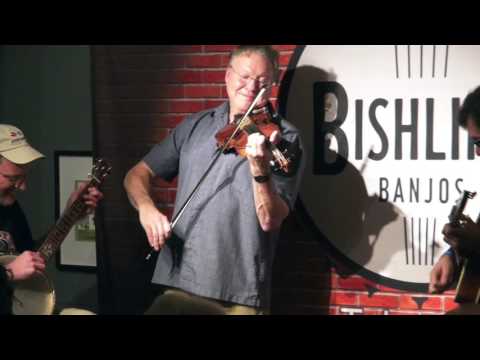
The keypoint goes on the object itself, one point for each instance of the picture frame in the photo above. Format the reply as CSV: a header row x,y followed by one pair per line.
x,y
78,250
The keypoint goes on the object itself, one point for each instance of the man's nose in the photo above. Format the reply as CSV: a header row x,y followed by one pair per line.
x,y
253,85
21,185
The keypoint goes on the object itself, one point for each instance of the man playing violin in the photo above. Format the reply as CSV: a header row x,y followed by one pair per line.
x,y
218,258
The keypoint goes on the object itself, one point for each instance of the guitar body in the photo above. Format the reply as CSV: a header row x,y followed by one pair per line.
x,y
468,288
34,296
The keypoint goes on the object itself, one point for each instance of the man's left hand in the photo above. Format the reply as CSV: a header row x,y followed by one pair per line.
x,y
466,236
90,198
258,154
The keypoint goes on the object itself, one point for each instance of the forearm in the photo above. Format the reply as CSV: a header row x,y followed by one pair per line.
x,y
137,186
270,207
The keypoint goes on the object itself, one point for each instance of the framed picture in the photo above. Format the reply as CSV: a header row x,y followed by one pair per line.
x,y
78,249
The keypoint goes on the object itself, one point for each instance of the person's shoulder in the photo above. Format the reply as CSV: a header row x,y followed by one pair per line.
x,y
194,118
217,111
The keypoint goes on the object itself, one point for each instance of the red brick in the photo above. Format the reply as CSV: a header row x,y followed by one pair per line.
x,y
402,312
206,61
134,121
134,106
333,310
220,48
160,183
186,106
186,76
164,196
224,92
139,92
148,77
432,303
333,281
285,47
274,103
354,283
214,76
450,292
198,91
385,301
449,304
343,298
284,60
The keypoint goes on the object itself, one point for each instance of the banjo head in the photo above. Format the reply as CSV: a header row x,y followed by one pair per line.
x,y
35,296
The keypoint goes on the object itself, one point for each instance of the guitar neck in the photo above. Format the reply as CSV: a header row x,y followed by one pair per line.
x,y
73,213
63,226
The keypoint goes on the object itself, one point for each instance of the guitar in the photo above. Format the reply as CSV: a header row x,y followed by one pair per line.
x,y
468,286
36,295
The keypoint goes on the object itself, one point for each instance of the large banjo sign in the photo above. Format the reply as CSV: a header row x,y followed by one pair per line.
x,y
386,157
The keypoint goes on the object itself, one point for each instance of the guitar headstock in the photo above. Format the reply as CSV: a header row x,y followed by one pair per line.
x,y
459,206
100,170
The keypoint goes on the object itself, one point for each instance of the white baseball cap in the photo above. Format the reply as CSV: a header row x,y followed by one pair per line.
x,y
14,146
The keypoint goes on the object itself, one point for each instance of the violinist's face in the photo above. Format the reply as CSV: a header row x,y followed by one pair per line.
x,y
245,76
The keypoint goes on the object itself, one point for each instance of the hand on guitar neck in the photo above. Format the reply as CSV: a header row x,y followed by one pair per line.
x,y
91,197
465,237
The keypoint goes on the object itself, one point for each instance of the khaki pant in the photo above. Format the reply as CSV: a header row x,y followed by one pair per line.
x,y
177,302
75,311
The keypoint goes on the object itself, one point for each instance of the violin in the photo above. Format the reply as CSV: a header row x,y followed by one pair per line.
x,y
234,136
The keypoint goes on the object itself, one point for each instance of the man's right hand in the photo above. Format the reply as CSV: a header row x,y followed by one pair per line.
x,y
442,274
156,225
26,265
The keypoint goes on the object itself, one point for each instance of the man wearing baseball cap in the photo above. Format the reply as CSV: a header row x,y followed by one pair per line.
x,y
16,155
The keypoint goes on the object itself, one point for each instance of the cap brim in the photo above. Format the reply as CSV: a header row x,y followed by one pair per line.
x,y
22,155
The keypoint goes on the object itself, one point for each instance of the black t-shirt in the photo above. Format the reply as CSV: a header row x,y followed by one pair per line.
x,y
14,229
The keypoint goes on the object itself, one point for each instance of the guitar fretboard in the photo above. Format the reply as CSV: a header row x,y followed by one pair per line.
x,y
62,227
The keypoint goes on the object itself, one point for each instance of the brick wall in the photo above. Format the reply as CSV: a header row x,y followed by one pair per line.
x,y
141,93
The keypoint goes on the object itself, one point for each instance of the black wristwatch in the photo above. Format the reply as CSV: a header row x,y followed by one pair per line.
x,y
261,178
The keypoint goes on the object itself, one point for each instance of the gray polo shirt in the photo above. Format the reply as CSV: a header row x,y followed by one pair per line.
x,y
218,249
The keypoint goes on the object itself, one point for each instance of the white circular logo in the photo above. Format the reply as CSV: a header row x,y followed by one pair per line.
x,y
386,157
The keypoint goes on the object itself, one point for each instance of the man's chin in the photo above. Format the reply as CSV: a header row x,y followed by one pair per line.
x,y
7,199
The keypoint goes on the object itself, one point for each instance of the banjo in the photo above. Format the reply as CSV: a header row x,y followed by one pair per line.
x,y
36,295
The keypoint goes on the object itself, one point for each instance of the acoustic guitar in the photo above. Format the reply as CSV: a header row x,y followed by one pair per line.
x,y
468,286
